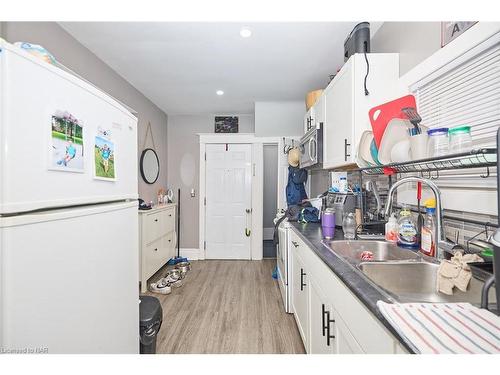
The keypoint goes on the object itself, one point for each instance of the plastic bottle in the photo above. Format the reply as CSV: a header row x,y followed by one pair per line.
x,y
391,229
349,226
428,244
407,230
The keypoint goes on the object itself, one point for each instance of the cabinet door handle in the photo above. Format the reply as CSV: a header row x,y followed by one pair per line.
x,y
170,215
295,244
323,313
156,220
302,283
156,249
346,155
328,322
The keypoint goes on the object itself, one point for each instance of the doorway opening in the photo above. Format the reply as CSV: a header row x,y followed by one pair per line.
x,y
270,194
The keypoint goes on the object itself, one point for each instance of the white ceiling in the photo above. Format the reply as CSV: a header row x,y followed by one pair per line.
x,y
179,66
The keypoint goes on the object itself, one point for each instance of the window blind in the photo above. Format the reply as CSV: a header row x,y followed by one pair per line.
x,y
468,94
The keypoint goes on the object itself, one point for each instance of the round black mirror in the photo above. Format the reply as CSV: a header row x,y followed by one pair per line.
x,y
150,166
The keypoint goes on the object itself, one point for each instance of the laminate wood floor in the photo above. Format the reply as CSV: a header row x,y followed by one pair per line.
x,y
227,306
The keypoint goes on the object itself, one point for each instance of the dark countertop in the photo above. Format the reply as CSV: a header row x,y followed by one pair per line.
x,y
368,294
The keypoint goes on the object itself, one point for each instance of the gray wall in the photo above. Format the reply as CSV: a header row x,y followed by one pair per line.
x,y
279,119
270,184
320,181
414,41
184,169
69,52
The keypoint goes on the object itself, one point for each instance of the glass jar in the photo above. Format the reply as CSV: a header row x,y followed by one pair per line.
x,y
460,139
349,226
438,143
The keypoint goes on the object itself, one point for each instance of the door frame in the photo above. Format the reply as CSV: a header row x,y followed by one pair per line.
x,y
257,236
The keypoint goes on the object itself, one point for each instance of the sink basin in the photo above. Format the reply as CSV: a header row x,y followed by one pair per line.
x,y
381,250
416,282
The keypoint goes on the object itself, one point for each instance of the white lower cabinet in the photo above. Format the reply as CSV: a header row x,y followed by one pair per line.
x,y
323,331
346,343
300,297
330,318
157,240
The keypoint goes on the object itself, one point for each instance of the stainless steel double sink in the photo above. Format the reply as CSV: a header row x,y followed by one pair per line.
x,y
401,274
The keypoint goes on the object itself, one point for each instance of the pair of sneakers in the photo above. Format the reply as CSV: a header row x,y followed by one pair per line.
x,y
164,285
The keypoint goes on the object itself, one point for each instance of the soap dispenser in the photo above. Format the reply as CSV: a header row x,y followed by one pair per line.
x,y
428,242
407,230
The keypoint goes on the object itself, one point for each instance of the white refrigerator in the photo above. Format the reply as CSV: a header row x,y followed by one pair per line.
x,y
68,215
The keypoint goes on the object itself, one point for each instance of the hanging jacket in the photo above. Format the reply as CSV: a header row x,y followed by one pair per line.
x,y
295,190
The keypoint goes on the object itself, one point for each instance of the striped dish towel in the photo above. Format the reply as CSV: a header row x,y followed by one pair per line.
x,y
444,328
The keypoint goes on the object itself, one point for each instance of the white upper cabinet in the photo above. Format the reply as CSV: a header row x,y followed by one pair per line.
x,y
319,111
346,106
309,120
316,115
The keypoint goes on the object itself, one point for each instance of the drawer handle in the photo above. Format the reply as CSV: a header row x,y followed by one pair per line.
x,y
169,240
302,283
295,244
328,335
156,219
346,145
156,249
323,313
170,215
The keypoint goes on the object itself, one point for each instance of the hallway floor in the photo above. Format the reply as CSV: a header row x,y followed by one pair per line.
x,y
227,307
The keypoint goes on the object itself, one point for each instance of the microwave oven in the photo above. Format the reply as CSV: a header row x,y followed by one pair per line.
x,y
311,148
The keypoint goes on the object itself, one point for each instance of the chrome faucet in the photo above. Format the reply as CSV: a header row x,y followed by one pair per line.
x,y
440,237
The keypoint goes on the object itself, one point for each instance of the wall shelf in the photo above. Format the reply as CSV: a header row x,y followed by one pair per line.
x,y
477,158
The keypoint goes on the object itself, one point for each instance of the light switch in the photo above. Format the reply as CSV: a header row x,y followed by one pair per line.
x,y
193,193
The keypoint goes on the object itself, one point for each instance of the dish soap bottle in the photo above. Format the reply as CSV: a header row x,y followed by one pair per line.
x,y
407,230
428,243
391,229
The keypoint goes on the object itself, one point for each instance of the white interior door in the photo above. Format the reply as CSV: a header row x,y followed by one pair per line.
x,y
228,197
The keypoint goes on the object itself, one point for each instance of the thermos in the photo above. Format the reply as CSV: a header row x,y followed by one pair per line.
x,y
328,223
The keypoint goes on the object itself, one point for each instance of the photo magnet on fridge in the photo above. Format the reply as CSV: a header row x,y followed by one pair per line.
x,y
104,158
66,143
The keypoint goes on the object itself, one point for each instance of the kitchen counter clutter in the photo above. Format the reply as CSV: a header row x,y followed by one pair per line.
x,y
335,306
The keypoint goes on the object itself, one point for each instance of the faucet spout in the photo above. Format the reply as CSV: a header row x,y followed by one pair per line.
x,y
440,237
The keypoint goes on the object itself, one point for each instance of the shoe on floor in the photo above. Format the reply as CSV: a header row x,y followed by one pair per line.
x,y
162,287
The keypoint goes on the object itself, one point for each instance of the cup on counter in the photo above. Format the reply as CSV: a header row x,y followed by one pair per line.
x,y
328,223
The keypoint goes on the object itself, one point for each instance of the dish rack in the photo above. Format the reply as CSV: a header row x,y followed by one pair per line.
x,y
477,158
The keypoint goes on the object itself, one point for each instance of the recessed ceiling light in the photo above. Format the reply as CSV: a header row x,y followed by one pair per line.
x,y
245,32
219,92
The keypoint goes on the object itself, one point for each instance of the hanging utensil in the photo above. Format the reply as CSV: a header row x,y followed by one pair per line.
x,y
414,118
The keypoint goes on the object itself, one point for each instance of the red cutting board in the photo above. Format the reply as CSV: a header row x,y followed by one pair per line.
x,y
382,114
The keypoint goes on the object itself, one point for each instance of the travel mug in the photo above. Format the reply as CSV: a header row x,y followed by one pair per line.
x,y
328,223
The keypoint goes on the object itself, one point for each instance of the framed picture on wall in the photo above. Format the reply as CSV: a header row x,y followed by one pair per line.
x,y
452,30
226,124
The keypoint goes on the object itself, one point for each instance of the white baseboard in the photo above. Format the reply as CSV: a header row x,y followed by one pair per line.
x,y
191,254
268,233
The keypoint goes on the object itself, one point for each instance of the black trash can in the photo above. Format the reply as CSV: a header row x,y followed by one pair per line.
x,y
150,319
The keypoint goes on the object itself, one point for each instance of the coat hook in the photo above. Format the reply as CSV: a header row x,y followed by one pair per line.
x,y
487,173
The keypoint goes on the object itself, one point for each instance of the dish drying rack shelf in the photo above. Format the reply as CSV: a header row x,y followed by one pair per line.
x,y
477,158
